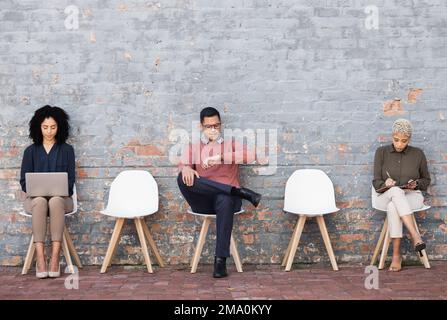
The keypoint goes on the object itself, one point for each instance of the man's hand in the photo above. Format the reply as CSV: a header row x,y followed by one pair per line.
x,y
188,174
211,161
390,182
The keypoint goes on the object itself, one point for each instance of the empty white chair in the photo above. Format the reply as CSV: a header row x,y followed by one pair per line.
x,y
309,193
133,195
67,243
202,237
384,238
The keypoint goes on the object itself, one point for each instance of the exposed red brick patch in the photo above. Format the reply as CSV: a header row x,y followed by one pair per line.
x,y
393,108
413,94
437,202
351,237
134,146
92,37
148,150
127,56
8,174
82,173
264,215
353,203
122,8
88,12
338,190
169,195
343,148
248,238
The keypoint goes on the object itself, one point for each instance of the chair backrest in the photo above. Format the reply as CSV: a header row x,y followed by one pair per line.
x,y
376,205
75,201
133,193
309,192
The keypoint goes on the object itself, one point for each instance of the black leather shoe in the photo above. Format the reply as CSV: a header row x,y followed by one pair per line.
x,y
248,194
419,247
220,267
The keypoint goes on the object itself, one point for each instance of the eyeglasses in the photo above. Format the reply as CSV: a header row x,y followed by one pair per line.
x,y
214,126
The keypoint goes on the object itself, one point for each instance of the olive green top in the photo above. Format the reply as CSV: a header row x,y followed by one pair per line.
x,y
401,166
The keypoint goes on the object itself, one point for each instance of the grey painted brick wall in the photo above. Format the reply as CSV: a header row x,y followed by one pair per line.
x,y
135,70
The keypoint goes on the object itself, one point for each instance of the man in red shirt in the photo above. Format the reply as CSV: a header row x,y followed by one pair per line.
x,y
209,181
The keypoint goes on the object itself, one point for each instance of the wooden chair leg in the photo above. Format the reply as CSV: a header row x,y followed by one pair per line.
x,y
152,244
424,258
286,255
113,243
72,248
379,243
140,231
115,248
235,253
386,245
29,256
200,243
295,240
67,254
327,241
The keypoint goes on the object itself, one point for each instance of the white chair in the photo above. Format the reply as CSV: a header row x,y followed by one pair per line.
x,y
133,195
202,237
384,238
67,243
309,193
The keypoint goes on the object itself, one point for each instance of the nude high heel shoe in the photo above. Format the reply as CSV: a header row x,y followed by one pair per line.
x,y
56,274
41,275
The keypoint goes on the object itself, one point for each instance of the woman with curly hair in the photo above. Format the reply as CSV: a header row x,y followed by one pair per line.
x,y
400,164
49,130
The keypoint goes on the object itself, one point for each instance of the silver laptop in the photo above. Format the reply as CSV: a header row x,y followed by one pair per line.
x,y
46,184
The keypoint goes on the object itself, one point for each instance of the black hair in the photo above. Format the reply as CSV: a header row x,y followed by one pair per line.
x,y
58,114
208,112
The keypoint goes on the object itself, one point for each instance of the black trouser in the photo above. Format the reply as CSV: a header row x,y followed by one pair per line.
x,y
211,197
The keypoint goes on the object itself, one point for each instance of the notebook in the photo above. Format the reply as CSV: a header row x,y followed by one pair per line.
x,y
404,186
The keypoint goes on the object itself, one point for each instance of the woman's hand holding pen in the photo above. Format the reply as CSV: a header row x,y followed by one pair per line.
x,y
412,184
389,182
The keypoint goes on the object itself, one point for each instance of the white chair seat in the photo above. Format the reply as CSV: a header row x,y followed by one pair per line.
x,y
375,195
210,215
127,214
425,207
310,215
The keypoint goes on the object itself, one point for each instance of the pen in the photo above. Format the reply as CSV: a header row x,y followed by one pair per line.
x,y
388,175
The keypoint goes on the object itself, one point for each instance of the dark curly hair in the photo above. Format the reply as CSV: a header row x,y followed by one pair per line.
x,y
58,114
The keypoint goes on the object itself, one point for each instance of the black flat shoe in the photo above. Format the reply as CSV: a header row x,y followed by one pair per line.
x,y
419,247
248,195
220,267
